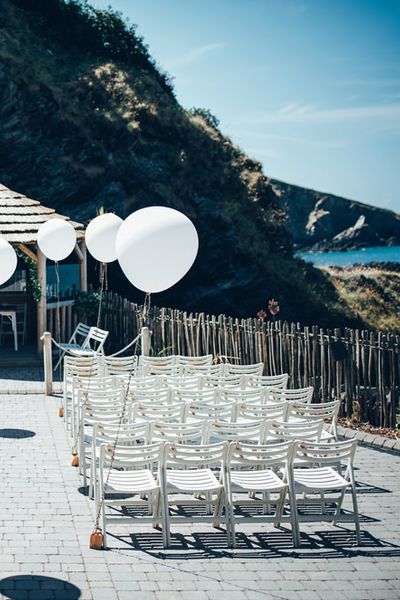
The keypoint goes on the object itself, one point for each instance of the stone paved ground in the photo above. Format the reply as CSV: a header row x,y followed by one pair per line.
x,y
45,524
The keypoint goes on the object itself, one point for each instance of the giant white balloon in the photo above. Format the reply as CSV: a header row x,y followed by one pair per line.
x,y
8,260
100,237
156,246
56,239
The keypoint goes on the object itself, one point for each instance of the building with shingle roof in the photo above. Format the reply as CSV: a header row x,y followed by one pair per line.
x,y
20,219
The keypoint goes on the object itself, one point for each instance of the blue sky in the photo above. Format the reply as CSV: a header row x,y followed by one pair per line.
x,y
311,88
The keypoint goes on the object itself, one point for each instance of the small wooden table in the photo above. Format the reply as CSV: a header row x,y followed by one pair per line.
x,y
12,315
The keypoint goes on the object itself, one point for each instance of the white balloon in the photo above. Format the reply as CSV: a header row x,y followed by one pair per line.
x,y
100,237
156,246
56,239
8,260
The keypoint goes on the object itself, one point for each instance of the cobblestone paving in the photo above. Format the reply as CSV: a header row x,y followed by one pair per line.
x,y
45,522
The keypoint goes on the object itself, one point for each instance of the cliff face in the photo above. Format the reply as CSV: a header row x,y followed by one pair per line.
x,y
87,121
320,221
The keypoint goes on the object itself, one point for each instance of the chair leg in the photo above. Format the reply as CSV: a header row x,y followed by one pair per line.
x,y
104,524
338,507
356,515
279,507
294,518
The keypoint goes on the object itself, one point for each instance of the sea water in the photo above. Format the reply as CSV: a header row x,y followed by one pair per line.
x,y
351,257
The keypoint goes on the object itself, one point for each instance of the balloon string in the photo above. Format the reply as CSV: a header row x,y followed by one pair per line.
x,y
58,312
146,308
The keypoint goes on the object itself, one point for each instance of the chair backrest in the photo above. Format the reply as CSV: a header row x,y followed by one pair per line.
x,y
151,396
291,395
248,396
328,411
251,455
194,361
161,361
269,411
196,395
128,434
287,431
235,432
180,455
188,382
168,370
332,453
180,433
218,380
269,381
225,411
116,365
81,331
153,411
81,362
146,382
254,369
204,369
131,457
95,340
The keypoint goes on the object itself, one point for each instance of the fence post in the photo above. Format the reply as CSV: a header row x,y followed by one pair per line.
x,y
48,363
145,341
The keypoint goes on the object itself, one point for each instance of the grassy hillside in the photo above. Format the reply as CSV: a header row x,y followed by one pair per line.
x,y
372,291
88,120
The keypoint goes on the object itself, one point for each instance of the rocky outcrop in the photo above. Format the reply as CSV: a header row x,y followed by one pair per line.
x,y
320,221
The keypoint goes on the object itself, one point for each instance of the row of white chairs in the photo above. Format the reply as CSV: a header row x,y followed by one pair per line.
x,y
95,431
224,482
159,406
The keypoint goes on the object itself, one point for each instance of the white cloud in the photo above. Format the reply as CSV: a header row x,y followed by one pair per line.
x,y
296,113
193,55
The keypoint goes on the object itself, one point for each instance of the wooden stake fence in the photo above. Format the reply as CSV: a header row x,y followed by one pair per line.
x,y
360,367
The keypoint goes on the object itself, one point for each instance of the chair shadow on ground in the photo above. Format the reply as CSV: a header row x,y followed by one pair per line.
x,y
16,434
367,488
34,586
340,543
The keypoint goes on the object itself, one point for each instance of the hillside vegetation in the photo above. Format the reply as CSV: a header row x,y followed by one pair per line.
x,y
87,120
372,291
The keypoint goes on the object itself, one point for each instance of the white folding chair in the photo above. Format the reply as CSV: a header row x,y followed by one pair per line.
x,y
267,381
116,365
225,411
244,396
198,471
207,370
253,469
168,412
77,340
180,433
288,431
75,372
317,475
290,395
194,361
129,471
92,345
327,411
253,369
198,396
270,411
253,432
108,432
157,361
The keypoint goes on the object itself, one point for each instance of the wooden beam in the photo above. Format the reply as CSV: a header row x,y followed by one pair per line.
x,y
41,305
78,252
83,267
27,251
